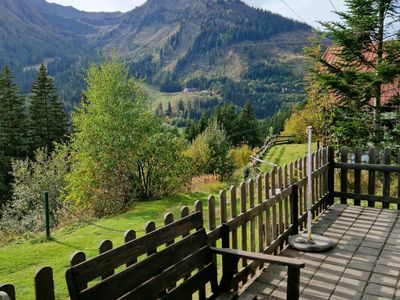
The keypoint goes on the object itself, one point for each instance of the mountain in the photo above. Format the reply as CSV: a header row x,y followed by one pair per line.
x,y
33,30
237,51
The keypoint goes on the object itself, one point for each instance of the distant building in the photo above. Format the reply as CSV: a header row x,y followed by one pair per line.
x,y
190,90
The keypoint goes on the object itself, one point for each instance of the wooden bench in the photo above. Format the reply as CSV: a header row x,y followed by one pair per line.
x,y
176,262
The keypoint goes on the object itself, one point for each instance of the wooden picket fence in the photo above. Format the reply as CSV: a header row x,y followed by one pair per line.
x,y
263,212
381,175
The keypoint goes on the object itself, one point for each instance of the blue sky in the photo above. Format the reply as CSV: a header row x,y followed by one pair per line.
x,y
307,10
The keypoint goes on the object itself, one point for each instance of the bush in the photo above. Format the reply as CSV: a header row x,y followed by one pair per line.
x,y
241,155
209,153
32,178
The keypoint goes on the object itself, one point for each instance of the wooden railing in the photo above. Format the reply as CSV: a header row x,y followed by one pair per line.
x,y
380,176
261,214
270,142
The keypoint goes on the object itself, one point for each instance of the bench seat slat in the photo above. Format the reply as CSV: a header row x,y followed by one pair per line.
x,y
188,287
130,278
153,287
93,268
266,258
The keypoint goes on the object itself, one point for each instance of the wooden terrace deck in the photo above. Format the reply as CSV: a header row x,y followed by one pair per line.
x,y
259,215
364,264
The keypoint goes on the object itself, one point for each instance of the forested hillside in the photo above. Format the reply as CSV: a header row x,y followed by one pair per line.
x,y
238,52
34,32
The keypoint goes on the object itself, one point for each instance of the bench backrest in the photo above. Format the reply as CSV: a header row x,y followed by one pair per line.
x,y
155,276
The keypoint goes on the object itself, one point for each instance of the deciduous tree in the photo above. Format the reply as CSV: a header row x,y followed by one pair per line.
x,y
121,151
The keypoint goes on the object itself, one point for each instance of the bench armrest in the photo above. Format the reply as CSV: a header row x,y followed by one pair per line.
x,y
280,260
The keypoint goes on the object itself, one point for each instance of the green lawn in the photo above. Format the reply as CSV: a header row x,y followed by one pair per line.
x,y
283,154
156,97
19,262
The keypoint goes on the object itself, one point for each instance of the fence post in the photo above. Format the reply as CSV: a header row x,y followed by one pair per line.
x,y
46,213
229,264
294,201
386,177
9,289
371,176
44,284
357,175
293,285
343,174
331,174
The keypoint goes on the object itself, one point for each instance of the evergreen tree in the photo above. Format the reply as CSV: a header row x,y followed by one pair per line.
x,y
181,106
159,110
191,131
13,118
226,117
5,180
249,128
169,110
367,59
48,119
275,124
202,124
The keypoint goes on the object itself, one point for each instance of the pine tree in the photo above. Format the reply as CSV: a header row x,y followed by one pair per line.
x,y
202,124
160,110
191,131
181,106
169,110
249,128
226,117
367,58
5,179
13,118
48,119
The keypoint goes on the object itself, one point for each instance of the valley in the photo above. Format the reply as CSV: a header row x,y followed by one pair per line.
x,y
251,53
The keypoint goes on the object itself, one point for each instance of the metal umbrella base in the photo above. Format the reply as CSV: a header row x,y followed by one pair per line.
x,y
318,243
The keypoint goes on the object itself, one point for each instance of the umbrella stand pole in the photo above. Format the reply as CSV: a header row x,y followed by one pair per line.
x,y
309,185
306,241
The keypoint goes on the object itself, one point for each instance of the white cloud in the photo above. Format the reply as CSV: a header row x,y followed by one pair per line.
x,y
307,10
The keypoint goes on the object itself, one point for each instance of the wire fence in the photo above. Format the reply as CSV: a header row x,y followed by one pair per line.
x,y
67,210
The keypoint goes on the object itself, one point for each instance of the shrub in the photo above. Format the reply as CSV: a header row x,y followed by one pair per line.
x,y
209,153
241,155
47,172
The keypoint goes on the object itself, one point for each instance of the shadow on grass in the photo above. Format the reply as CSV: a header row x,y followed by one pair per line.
x,y
68,245
155,209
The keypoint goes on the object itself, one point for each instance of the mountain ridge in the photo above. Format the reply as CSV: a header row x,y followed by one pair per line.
x,y
167,42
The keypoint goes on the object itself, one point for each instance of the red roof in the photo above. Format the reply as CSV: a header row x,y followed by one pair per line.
x,y
389,90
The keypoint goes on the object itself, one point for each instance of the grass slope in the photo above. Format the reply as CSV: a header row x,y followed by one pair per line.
x,y
19,262
283,154
156,97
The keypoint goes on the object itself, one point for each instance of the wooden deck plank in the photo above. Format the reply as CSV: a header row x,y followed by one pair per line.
x,y
342,273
